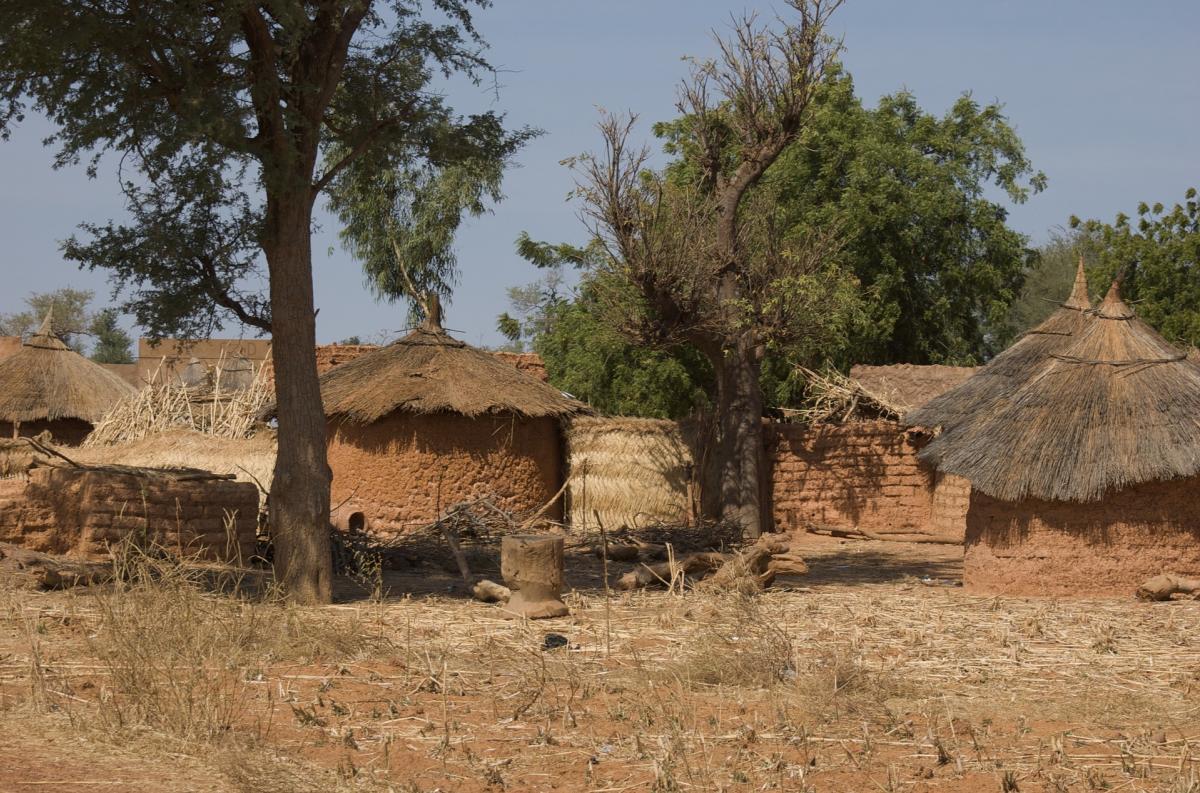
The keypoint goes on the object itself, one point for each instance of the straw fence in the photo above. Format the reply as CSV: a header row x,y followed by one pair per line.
x,y
630,472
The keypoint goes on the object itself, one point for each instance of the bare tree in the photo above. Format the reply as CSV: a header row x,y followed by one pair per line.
x,y
700,245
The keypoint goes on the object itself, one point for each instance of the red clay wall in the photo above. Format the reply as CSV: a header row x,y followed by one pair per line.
x,y
1104,548
66,432
81,513
401,469
860,475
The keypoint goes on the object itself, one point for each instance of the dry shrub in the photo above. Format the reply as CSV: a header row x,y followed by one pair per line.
x,y
836,681
738,644
178,656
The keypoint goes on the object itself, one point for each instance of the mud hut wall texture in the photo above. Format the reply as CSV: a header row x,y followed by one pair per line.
x,y
1100,548
84,512
400,471
630,472
861,475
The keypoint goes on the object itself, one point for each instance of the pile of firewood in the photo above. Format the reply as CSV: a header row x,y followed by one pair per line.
x,y
751,569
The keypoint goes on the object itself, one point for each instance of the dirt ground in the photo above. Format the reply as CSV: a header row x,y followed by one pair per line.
x,y
873,672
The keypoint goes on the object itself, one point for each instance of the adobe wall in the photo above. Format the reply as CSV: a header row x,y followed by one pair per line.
x,y
861,475
399,471
1107,547
82,512
65,432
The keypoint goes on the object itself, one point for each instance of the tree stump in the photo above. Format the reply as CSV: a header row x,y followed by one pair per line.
x,y
532,566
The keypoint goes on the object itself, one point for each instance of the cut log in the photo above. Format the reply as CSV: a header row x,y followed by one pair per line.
x,y
859,533
695,565
532,566
26,569
751,569
1161,587
491,592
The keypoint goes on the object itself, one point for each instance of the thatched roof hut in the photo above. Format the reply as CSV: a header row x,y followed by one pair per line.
x,y
48,386
428,371
1117,407
429,421
996,382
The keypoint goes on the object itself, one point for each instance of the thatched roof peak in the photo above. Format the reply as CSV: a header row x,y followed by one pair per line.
x,y
428,371
1078,299
48,380
44,337
1117,407
1113,306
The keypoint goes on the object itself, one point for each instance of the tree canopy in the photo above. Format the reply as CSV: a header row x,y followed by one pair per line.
x,y
229,121
74,322
1158,257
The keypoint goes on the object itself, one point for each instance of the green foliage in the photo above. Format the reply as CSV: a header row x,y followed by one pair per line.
x,y
1049,278
1159,257
401,216
587,358
230,119
906,190
71,318
113,345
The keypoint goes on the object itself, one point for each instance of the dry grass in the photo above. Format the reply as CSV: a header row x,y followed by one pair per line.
x,y
889,686
167,404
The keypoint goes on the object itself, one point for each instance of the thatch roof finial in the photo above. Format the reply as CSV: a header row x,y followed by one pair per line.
x,y
45,337
1079,292
1113,306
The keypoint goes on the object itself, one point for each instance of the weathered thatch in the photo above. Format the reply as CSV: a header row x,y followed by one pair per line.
x,y
46,380
832,397
633,472
248,459
1117,407
907,386
429,372
991,385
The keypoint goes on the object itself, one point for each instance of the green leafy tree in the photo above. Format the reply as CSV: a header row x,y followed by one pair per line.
x,y
113,344
1049,278
908,193
233,119
69,311
1158,259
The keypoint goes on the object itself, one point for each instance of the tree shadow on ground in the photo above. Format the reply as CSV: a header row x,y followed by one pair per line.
x,y
853,566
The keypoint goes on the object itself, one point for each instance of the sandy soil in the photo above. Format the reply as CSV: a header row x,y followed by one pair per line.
x,y
874,672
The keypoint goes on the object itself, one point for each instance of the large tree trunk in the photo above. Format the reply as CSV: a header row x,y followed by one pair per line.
x,y
299,505
740,458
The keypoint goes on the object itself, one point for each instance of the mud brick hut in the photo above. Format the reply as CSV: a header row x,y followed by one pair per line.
x,y
48,387
1085,476
428,422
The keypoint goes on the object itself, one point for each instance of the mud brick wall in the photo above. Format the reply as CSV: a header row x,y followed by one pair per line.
x,y
395,474
860,475
1108,547
83,512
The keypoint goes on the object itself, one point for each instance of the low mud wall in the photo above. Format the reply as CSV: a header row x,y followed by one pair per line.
x,y
861,476
83,512
1108,547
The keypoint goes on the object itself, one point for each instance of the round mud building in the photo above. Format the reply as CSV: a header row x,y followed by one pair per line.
x,y
1085,477
428,422
47,386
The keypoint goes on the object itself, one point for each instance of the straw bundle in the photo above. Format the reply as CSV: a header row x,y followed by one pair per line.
x,y
1116,408
210,407
633,472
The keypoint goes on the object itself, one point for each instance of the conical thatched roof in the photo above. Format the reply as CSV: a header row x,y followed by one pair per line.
x,y
429,372
1118,407
48,380
996,382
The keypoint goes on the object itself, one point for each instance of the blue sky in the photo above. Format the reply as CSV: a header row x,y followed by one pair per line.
x,y
1105,95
